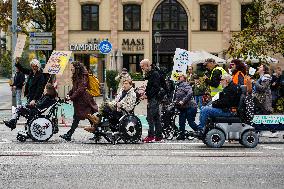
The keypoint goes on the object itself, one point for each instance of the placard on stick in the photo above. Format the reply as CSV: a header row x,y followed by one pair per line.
x,y
57,62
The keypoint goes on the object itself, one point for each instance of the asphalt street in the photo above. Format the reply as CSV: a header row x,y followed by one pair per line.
x,y
170,164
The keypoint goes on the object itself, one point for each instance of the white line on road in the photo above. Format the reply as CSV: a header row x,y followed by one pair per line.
x,y
215,152
177,143
272,148
51,152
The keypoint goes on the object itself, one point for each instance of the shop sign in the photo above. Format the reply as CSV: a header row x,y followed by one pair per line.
x,y
84,47
133,44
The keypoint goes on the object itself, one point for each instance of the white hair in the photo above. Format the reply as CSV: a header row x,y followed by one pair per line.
x,y
227,77
35,62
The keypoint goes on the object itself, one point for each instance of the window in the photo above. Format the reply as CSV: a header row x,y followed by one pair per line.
x,y
132,62
248,9
132,17
208,17
90,17
170,15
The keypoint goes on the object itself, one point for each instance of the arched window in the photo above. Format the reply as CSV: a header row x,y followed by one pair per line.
x,y
132,17
170,15
90,17
208,17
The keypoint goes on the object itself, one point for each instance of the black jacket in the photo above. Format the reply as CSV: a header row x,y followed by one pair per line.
x,y
216,78
229,97
45,101
19,80
153,85
35,90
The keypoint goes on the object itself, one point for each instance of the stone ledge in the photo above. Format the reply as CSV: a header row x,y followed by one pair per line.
x,y
90,2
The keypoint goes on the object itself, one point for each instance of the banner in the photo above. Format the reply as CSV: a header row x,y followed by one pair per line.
x,y
181,61
57,62
21,40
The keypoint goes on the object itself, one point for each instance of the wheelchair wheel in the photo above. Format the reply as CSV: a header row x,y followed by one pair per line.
x,y
130,129
214,138
249,139
40,129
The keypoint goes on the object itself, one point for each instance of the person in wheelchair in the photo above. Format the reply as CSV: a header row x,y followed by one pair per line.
x,y
228,99
124,101
29,111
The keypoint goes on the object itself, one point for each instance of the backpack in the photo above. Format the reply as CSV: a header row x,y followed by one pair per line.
x,y
163,86
93,85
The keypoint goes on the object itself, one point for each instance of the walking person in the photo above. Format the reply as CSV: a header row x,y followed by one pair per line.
x,y
83,102
186,106
276,85
152,91
238,72
123,76
19,80
35,81
216,73
199,89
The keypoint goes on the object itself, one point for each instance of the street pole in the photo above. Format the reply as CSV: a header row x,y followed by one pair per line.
x,y
157,56
14,41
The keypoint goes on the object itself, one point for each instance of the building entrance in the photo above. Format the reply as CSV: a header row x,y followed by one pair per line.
x,y
171,20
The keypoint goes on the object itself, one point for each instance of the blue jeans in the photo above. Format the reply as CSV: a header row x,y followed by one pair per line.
x,y
189,115
209,111
19,97
198,100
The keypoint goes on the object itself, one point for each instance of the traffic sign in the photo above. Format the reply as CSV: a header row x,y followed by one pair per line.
x,y
40,34
105,47
40,47
40,40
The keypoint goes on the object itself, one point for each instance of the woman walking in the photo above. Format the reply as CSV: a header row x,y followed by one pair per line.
x,y
83,102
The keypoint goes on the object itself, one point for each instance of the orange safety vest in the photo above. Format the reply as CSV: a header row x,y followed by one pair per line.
x,y
236,78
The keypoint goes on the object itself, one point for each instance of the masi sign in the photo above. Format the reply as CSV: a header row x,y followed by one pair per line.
x,y
132,44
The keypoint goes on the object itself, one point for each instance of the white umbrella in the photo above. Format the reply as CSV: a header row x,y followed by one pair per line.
x,y
201,56
267,59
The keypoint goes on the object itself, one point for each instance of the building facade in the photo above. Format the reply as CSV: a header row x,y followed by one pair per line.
x,y
130,26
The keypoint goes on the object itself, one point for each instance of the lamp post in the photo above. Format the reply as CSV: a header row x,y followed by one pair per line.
x,y
157,38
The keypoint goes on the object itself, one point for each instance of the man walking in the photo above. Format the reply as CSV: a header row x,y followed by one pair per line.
x,y
152,90
19,80
216,73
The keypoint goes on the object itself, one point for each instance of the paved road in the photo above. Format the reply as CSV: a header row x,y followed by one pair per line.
x,y
188,164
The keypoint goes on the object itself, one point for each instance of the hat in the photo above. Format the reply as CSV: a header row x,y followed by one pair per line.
x,y
208,60
124,70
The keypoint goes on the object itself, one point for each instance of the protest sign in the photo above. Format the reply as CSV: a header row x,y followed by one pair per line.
x,y
21,40
57,62
181,62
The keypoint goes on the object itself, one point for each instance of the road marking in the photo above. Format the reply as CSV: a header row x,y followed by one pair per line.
x,y
176,143
3,141
215,152
272,148
62,155
51,152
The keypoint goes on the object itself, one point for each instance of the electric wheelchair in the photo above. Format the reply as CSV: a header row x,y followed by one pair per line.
x,y
41,126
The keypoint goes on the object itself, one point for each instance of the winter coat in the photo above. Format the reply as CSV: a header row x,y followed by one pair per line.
x,y
239,78
83,102
128,102
184,93
121,78
35,83
262,93
19,80
228,98
153,84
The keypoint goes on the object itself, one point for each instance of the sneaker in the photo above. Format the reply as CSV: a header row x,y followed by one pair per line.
x,y
11,124
149,139
66,137
158,139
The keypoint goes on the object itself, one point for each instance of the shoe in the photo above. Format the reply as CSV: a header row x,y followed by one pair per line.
x,y
11,124
94,119
149,139
199,133
66,137
181,137
90,129
158,139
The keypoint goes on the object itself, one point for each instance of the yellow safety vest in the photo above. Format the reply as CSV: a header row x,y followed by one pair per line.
x,y
215,90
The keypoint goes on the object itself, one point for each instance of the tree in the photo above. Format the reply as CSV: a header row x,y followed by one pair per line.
x,y
264,34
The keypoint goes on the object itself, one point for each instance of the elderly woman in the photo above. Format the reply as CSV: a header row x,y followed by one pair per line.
x,y
262,91
83,102
35,82
125,100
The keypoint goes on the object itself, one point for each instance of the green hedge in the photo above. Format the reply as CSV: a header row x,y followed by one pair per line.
x,y
136,76
110,80
6,64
